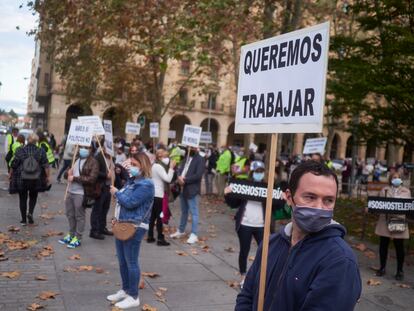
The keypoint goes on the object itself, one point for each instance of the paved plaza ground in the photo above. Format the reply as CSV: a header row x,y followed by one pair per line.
x,y
190,278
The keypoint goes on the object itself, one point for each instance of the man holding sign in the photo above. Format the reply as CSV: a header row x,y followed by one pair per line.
x,y
310,265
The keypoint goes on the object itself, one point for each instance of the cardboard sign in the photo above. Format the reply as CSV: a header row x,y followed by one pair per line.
x,y
249,190
109,137
282,83
172,134
191,136
132,128
390,205
154,129
206,138
315,145
95,122
79,134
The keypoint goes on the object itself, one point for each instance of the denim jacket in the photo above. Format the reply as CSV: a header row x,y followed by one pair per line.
x,y
136,199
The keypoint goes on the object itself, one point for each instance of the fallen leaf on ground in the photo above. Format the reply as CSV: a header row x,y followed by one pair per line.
x,y
162,289
99,270
41,278
147,307
51,233
403,285
203,238
181,253
70,269
373,282
233,284
46,295
46,216
159,294
205,248
150,274
75,257
85,268
11,275
370,254
194,251
361,247
34,306
116,309
13,228
229,249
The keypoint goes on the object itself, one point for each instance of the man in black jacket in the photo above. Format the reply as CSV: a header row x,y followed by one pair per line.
x,y
190,174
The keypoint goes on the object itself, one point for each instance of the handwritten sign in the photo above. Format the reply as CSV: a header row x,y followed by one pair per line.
x,y
191,135
109,138
80,134
95,122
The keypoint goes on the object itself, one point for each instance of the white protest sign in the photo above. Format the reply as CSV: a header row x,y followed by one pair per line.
x,y
132,128
191,135
154,129
172,134
109,137
206,138
282,83
315,145
95,122
253,147
79,134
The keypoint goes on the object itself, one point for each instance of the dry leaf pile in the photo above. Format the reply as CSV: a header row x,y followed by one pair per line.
x,y
11,275
147,307
151,275
46,295
373,282
34,306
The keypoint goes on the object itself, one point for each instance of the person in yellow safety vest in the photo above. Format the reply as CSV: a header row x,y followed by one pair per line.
x,y
10,139
43,143
223,167
175,154
19,142
240,168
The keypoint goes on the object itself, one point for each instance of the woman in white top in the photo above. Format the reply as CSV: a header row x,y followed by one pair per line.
x,y
162,174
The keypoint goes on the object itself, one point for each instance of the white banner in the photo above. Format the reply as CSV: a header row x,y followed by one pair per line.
x,y
315,145
206,138
95,122
79,134
109,137
154,129
172,134
191,135
282,83
132,128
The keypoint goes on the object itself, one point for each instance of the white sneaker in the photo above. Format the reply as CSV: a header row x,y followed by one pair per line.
x,y
177,235
192,239
118,296
127,303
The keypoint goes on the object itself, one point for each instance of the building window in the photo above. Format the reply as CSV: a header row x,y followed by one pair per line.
x,y
183,97
185,67
212,101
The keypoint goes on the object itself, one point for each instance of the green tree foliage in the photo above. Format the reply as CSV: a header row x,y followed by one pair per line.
x,y
372,73
13,114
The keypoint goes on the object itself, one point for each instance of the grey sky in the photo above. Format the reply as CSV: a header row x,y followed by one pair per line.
x,y
16,53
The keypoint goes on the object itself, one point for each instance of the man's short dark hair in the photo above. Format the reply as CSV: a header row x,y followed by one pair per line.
x,y
313,167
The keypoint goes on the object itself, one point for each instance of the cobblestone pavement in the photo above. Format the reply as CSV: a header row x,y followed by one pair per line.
x,y
196,278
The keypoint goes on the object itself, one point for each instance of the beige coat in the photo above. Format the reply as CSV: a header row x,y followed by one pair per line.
x,y
382,229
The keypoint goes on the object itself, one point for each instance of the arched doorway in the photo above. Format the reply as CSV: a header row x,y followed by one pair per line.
x,y
234,139
118,118
177,124
74,111
334,154
349,145
214,128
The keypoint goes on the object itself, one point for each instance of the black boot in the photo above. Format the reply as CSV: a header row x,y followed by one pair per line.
x,y
400,275
380,272
163,242
150,239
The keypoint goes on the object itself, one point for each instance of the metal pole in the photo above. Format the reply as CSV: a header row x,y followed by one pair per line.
x,y
209,113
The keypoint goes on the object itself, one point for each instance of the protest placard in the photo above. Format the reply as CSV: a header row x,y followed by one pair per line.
x,y
255,191
172,134
79,134
95,122
390,205
191,135
315,145
206,138
132,128
154,129
109,138
282,83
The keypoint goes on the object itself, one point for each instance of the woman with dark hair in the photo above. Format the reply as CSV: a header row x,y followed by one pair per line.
x,y
386,232
134,203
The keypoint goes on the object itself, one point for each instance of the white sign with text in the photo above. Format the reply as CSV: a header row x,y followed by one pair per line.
x,y
109,137
132,128
191,135
206,138
79,134
315,145
154,129
95,122
172,134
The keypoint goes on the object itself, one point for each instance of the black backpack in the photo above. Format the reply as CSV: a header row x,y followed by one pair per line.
x,y
30,168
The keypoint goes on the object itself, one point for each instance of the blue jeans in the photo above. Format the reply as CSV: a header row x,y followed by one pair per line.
x,y
192,206
128,252
66,165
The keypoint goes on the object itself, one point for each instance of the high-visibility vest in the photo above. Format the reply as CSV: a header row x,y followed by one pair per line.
x,y
16,145
49,153
224,162
175,155
10,141
241,162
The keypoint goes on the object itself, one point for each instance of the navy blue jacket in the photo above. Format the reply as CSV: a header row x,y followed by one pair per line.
x,y
192,180
319,273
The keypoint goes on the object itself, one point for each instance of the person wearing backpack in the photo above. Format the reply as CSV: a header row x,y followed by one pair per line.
x,y
29,175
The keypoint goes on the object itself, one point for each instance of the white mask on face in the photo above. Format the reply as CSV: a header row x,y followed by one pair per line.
x,y
166,161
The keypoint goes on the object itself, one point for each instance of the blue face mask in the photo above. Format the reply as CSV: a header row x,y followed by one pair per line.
x,y
83,153
134,171
258,176
396,182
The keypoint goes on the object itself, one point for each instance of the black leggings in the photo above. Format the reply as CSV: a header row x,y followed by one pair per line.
x,y
399,249
23,202
245,234
155,217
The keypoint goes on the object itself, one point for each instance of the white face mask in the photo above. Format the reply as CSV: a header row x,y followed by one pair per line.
x,y
166,161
